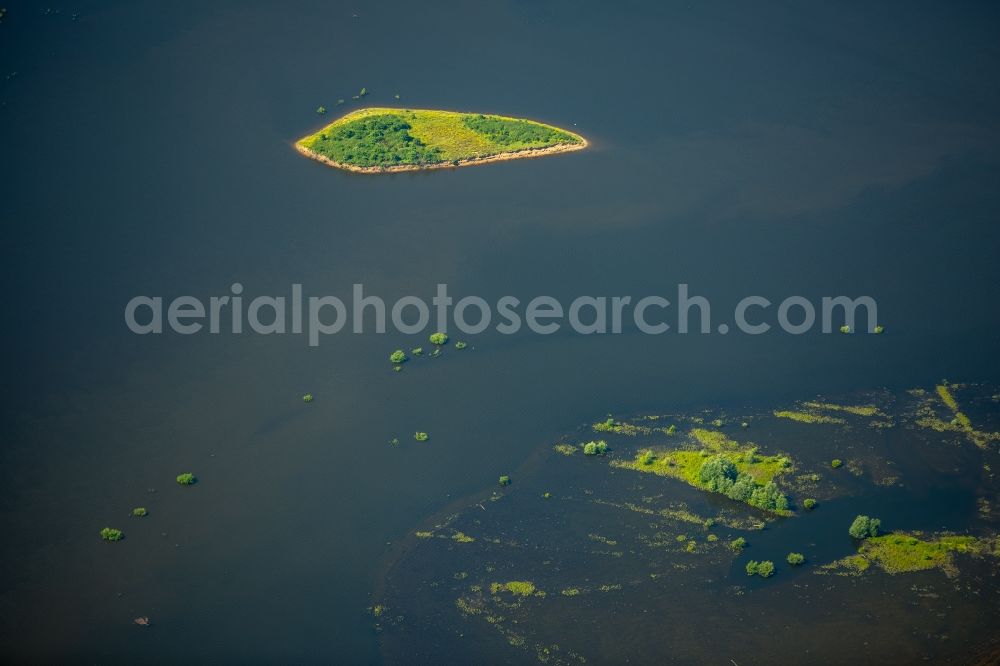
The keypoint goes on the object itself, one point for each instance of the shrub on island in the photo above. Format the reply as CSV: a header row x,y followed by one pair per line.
x,y
763,569
864,527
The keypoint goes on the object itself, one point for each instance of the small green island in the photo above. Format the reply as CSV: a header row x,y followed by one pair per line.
x,y
379,140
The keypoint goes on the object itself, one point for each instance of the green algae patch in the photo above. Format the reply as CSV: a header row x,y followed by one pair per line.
x,y
723,466
389,139
899,552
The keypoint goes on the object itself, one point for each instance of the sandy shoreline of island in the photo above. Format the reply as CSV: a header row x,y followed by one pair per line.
x,y
525,153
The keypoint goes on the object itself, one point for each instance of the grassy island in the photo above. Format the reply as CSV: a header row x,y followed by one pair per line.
x,y
378,140
721,465
900,552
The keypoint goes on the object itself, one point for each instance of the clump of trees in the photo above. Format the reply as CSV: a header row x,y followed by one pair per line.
x,y
186,479
836,462
864,527
139,512
763,569
375,141
439,339
111,534
598,448
738,544
421,436
795,559
720,475
398,356
504,480
809,503
515,132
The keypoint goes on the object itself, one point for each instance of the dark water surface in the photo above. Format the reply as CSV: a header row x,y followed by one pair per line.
x,y
147,150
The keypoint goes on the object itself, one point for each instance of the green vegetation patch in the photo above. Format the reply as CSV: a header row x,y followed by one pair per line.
x,y
857,410
515,134
901,553
597,448
763,569
111,534
519,588
620,428
808,417
724,466
139,512
904,553
864,527
960,421
381,140
186,479
384,138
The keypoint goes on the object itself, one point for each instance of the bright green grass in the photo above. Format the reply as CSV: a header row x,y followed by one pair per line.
x,y
385,138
